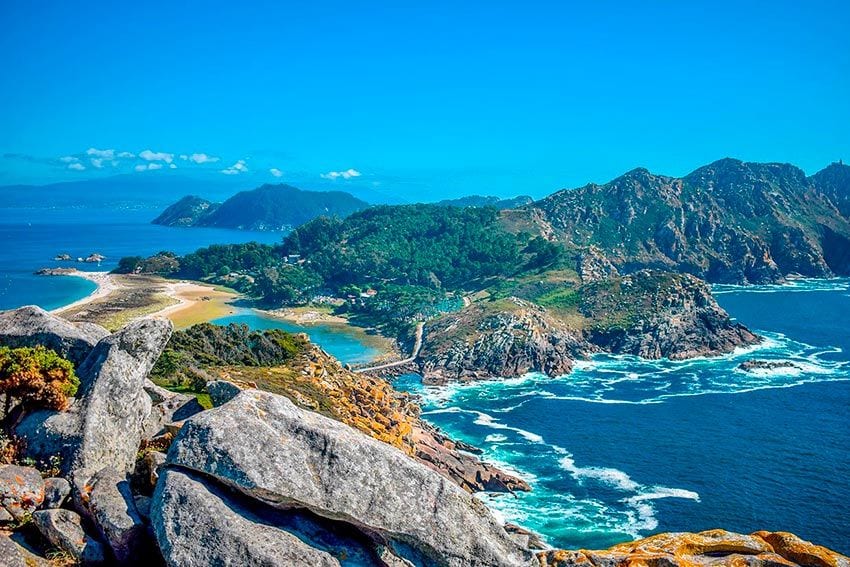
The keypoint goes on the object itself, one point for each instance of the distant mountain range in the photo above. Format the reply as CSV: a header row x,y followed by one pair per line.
x,y
139,190
269,207
486,201
727,222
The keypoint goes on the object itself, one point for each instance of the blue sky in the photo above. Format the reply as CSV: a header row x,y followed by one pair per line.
x,y
419,99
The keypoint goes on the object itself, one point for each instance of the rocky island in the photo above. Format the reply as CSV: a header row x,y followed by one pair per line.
x,y
269,207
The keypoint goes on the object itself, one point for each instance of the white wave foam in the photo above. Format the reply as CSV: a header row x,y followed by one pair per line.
x,y
495,438
612,477
489,421
797,285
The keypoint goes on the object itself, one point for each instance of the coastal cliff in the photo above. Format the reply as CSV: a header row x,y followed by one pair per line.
x,y
649,313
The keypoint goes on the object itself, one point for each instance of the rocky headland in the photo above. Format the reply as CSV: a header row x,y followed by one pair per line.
x,y
650,314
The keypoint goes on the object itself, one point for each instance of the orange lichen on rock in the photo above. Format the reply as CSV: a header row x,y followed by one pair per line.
x,y
709,548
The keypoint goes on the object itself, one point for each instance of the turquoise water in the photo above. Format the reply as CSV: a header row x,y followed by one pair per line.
x,y
346,347
30,238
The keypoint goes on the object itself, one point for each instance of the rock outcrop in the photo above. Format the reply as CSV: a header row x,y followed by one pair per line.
x,y
710,548
32,325
113,404
649,313
315,381
21,492
265,447
64,530
498,339
236,530
755,365
658,314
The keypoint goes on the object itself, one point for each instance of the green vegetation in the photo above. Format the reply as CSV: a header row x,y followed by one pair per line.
x,y
269,207
425,245
385,267
34,378
191,350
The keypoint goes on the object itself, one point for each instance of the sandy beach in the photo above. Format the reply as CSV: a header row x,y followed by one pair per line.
x,y
121,298
105,286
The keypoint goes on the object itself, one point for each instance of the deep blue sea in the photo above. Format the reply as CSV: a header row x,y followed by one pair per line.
x,y
30,238
623,448
620,448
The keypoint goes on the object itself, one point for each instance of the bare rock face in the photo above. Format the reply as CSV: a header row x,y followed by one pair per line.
x,y
221,391
656,314
237,531
108,501
592,266
11,553
113,402
21,492
31,325
452,460
56,491
263,446
505,339
64,530
714,548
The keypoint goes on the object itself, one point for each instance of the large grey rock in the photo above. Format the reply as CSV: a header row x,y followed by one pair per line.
x,y
11,553
64,529
21,491
188,509
158,394
113,404
176,408
264,446
31,325
222,391
56,491
48,434
108,501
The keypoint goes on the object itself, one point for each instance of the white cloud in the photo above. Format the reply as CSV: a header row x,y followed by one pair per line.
x,y
97,162
149,166
149,155
203,158
103,154
236,168
347,174
126,155
172,166
69,159
76,166
276,172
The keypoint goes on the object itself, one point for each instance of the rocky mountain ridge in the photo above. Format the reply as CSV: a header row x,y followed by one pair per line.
x,y
727,222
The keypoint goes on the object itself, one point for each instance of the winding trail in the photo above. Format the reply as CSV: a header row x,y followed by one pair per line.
x,y
417,346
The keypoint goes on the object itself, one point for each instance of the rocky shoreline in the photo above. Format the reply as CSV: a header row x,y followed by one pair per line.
x,y
148,476
648,314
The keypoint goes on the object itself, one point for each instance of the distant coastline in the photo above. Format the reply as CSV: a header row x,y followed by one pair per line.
x,y
185,303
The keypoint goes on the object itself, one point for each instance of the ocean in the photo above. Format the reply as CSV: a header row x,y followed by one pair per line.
x,y
31,237
619,449
623,448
